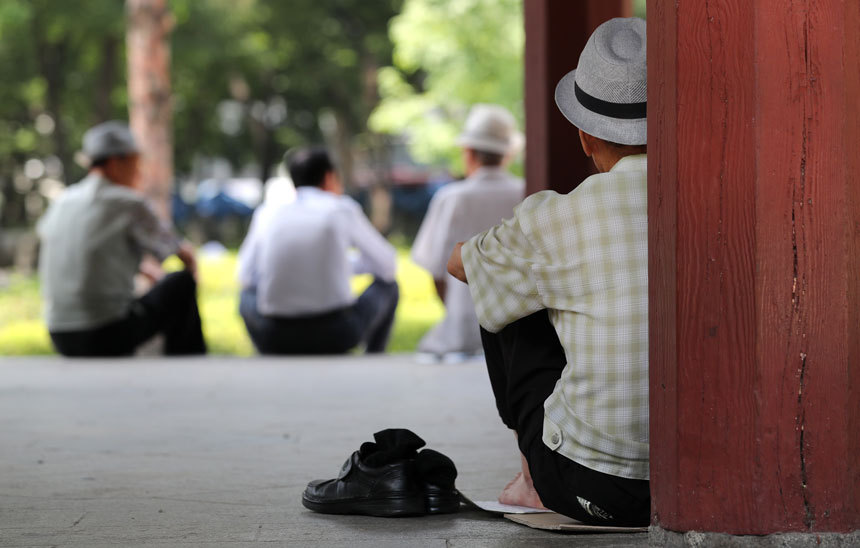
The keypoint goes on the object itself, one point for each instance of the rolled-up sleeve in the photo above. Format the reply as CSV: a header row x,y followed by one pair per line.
x,y
151,232
432,244
376,255
249,251
498,265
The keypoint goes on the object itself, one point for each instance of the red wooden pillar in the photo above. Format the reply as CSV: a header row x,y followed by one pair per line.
x,y
754,235
556,32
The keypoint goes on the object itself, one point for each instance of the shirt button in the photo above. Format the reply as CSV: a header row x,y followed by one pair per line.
x,y
554,439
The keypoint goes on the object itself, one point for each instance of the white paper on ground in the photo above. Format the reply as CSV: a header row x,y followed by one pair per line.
x,y
499,508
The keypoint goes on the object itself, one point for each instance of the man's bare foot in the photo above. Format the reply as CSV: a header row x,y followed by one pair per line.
x,y
521,492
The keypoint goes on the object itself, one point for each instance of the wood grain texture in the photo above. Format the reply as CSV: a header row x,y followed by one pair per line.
x,y
715,217
851,139
662,259
556,32
754,326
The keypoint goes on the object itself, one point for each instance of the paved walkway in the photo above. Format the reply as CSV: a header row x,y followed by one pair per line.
x,y
216,451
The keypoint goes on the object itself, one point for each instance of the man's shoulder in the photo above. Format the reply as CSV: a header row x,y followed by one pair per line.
x,y
451,190
116,198
348,202
347,207
540,202
547,206
498,177
93,194
612,182
504,182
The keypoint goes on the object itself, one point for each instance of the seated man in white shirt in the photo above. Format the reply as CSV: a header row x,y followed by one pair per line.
x,y
295,268
457,212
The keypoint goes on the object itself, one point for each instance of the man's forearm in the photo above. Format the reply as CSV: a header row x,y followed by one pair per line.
x,y
455,263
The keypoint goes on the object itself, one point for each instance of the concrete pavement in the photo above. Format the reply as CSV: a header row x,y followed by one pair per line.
x,y
216,451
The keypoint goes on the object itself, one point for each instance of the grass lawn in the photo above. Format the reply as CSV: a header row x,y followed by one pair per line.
x,y
22,331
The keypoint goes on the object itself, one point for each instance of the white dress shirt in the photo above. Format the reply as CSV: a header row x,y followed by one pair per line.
x,y
297,255
457,212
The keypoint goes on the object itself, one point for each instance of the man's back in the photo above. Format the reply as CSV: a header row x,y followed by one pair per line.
x,y
297,257
458,211
89,256
304,257
583,256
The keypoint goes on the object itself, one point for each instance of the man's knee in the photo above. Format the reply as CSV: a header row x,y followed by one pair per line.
x,y
180,284
389,289
182,278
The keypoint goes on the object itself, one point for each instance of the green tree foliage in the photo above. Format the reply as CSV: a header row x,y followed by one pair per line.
x,y
250,79
60,74
448,56
284,66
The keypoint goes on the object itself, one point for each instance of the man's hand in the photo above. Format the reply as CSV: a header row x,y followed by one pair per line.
x,y
455,263
186,255
151,268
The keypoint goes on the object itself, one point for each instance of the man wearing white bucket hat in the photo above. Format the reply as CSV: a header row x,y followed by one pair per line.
x,y
459,211
561,291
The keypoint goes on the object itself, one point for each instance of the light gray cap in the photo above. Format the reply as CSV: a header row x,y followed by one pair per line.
x,y
109,139
606,95
490,128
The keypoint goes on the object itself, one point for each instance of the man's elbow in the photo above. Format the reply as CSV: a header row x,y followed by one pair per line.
x,y
455,264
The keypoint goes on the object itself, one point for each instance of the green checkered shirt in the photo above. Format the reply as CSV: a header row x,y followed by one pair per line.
x,y
583,256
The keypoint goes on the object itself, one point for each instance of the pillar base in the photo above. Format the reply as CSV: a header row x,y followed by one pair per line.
x,y
657,536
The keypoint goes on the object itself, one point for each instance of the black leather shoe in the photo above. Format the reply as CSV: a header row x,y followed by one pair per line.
x,y
437,473
387,490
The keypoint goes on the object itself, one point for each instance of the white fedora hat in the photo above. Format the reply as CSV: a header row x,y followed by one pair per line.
x,y
606,96
490,128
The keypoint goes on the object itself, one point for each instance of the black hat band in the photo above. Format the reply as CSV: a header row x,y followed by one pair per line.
x,y
622,111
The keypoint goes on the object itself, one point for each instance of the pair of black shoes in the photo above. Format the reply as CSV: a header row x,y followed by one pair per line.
x,y
388,478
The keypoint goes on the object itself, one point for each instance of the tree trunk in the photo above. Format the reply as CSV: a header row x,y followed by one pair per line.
x,y
150,108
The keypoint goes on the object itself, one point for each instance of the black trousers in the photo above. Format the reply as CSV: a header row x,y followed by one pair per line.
x,y
169,308
525,360
368,320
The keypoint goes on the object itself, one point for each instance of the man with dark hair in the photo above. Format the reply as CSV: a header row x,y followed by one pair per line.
x,y
295,267
93,239
457,212
310,166
561,291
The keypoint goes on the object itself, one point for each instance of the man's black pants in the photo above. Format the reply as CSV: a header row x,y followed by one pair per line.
x,y
170,308
525,360
368,320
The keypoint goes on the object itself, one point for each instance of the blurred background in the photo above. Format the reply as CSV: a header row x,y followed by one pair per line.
x,y
386,84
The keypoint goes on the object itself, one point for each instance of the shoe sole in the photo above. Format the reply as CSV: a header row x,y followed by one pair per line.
x,y
388,507
442,503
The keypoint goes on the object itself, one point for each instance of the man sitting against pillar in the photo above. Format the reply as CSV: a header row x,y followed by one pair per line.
x,y
561,291
93,239
459,211
295,267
